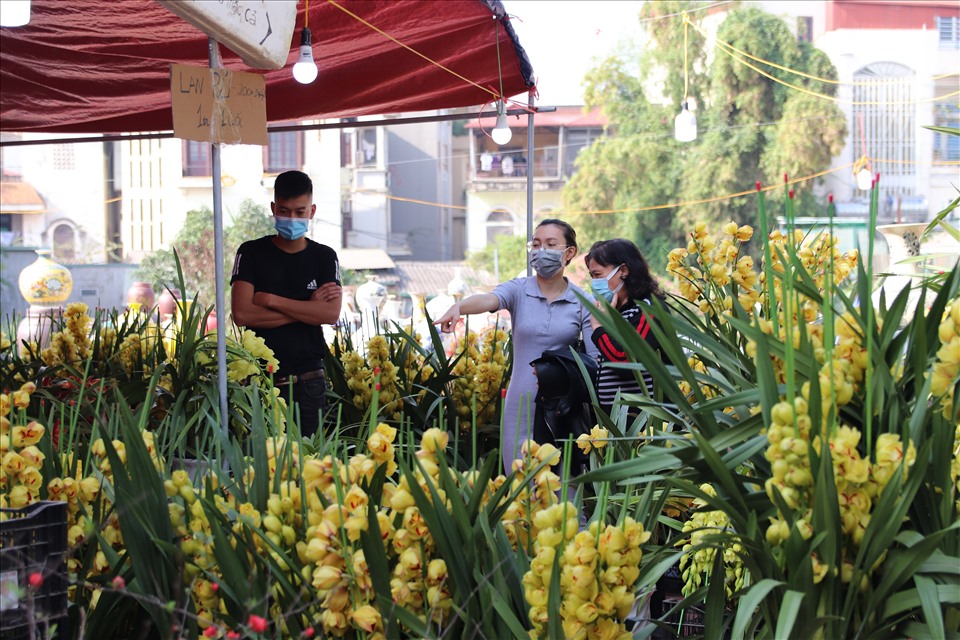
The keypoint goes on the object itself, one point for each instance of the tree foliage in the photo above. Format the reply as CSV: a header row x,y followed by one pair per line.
x,y
752,126
194,244
628,171
506,255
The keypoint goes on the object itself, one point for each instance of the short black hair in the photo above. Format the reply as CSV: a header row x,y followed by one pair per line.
x,y
292,184
612,253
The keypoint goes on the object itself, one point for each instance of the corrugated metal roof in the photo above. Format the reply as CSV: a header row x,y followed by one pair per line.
x,y
20,197
433,278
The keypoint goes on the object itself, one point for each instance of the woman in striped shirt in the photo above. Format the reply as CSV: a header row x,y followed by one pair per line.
x,y
621,276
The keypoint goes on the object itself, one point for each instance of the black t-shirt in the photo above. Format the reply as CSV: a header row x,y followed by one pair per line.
x,y
299,347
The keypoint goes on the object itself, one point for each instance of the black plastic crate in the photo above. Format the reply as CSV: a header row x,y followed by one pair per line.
x,y
685,623
33,540
677,623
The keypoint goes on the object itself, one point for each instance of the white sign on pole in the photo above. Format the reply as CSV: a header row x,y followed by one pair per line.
x,y
259,31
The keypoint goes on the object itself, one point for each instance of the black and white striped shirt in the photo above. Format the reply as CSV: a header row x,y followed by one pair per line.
x,y
612,380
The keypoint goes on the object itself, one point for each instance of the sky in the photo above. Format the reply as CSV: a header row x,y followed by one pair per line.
x,y
562,38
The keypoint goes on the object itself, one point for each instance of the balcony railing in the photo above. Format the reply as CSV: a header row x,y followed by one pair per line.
x,y
513,167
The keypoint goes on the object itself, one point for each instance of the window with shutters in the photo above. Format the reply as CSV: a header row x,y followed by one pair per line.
x,y
948,29
196,159
884,124
284,152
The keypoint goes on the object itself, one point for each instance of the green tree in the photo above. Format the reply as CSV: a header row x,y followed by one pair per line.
x,y
752,127
758,128
506,256
194,245
811,130
675,53
640,164
627,171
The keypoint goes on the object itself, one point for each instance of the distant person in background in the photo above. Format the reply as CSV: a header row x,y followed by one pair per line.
x,y
486,161
520,166
620,275
284,287
545,314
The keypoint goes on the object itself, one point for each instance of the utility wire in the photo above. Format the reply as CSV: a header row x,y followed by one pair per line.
x,y
818,78
680,13
409,48
950,163
815,93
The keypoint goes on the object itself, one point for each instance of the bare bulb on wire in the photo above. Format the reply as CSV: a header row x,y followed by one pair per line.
x,y
685,125
501,133
305,69
14,13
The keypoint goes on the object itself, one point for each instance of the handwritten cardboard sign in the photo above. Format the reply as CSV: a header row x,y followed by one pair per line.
x,y
218,105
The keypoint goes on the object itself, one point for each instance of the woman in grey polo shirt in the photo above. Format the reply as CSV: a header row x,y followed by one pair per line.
x,y
545,313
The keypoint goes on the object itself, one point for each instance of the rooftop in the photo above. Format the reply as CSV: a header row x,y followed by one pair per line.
x,y
20,197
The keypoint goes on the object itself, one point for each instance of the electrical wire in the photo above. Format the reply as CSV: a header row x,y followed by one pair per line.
x,y
680,13
637,209
823,95
496,43
366,234
686,67
686,203
813,77
674,205
409,48
411,200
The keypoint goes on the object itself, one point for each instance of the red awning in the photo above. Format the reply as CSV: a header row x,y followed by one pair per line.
x,y
90,66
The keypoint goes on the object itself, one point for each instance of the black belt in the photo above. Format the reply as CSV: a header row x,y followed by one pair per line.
x,y
318,374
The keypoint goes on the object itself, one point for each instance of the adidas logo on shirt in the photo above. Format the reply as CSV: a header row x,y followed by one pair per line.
x,y
312,285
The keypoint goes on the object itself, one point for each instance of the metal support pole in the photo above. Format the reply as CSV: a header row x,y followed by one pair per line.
x,y
218,266
530,169
112,207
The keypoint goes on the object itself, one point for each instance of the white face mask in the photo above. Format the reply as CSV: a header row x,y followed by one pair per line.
x,y
546,262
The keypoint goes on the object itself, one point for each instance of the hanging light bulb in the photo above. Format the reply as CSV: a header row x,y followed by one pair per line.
x,y
861,169
501,133
305,69
15,13
685,125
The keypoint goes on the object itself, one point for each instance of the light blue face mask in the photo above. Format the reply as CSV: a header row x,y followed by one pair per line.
x,y
601,286
291,228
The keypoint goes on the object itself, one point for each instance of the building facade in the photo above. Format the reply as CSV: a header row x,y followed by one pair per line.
x,y
53,196
898,67
388,187
496,188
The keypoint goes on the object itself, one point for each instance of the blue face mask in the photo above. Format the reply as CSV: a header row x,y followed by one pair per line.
x,y
291,228
601,286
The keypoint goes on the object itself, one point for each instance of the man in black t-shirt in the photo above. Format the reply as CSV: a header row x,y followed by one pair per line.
x,y
284,287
